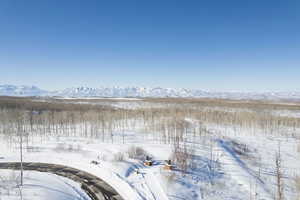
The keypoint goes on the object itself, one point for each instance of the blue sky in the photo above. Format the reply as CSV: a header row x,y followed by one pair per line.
x,y
218,45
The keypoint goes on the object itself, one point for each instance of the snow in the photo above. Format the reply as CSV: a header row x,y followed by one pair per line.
x,y
287,113
100,98
12,90
241,172
222,168
256,169
235,178
140,92
151,183
114,173
38,186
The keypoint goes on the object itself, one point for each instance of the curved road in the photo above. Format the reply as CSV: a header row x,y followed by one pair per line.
x,y
95,187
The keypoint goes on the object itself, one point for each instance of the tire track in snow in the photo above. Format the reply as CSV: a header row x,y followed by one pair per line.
x,y
147,183
242,172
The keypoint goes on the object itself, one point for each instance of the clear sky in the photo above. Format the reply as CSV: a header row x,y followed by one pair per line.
x,y
215,44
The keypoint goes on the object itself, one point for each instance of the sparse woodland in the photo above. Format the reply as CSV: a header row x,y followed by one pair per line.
x,y
168,124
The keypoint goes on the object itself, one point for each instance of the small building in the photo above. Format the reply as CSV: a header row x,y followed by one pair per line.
x,y
148,161
168,165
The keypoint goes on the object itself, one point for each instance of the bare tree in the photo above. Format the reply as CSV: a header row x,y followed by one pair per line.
x,y
297,183
279,175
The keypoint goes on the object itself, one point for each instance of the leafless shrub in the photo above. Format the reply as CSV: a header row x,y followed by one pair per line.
x,y
102,157
70,147
182,157
136,153
118,157
60,147
240,149
9,183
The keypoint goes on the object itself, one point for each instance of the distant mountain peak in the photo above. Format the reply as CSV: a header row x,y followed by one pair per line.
x,y
22,90
159,92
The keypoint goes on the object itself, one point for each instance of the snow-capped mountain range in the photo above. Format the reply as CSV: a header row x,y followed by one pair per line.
x,y
76,92
12,90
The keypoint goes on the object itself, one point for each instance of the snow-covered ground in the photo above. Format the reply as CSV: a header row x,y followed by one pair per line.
x,y
151,183
38,186
235,178
287,113
229,163
251,159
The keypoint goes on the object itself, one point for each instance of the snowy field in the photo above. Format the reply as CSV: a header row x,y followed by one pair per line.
x,y
38,186
216,160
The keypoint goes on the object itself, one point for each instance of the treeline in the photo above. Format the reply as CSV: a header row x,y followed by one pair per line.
x,y
38,104
167,124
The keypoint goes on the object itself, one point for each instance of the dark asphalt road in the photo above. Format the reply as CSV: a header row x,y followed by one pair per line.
x,y
95,187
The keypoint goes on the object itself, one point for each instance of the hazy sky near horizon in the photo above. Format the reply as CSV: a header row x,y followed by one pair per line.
x,y
218,45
